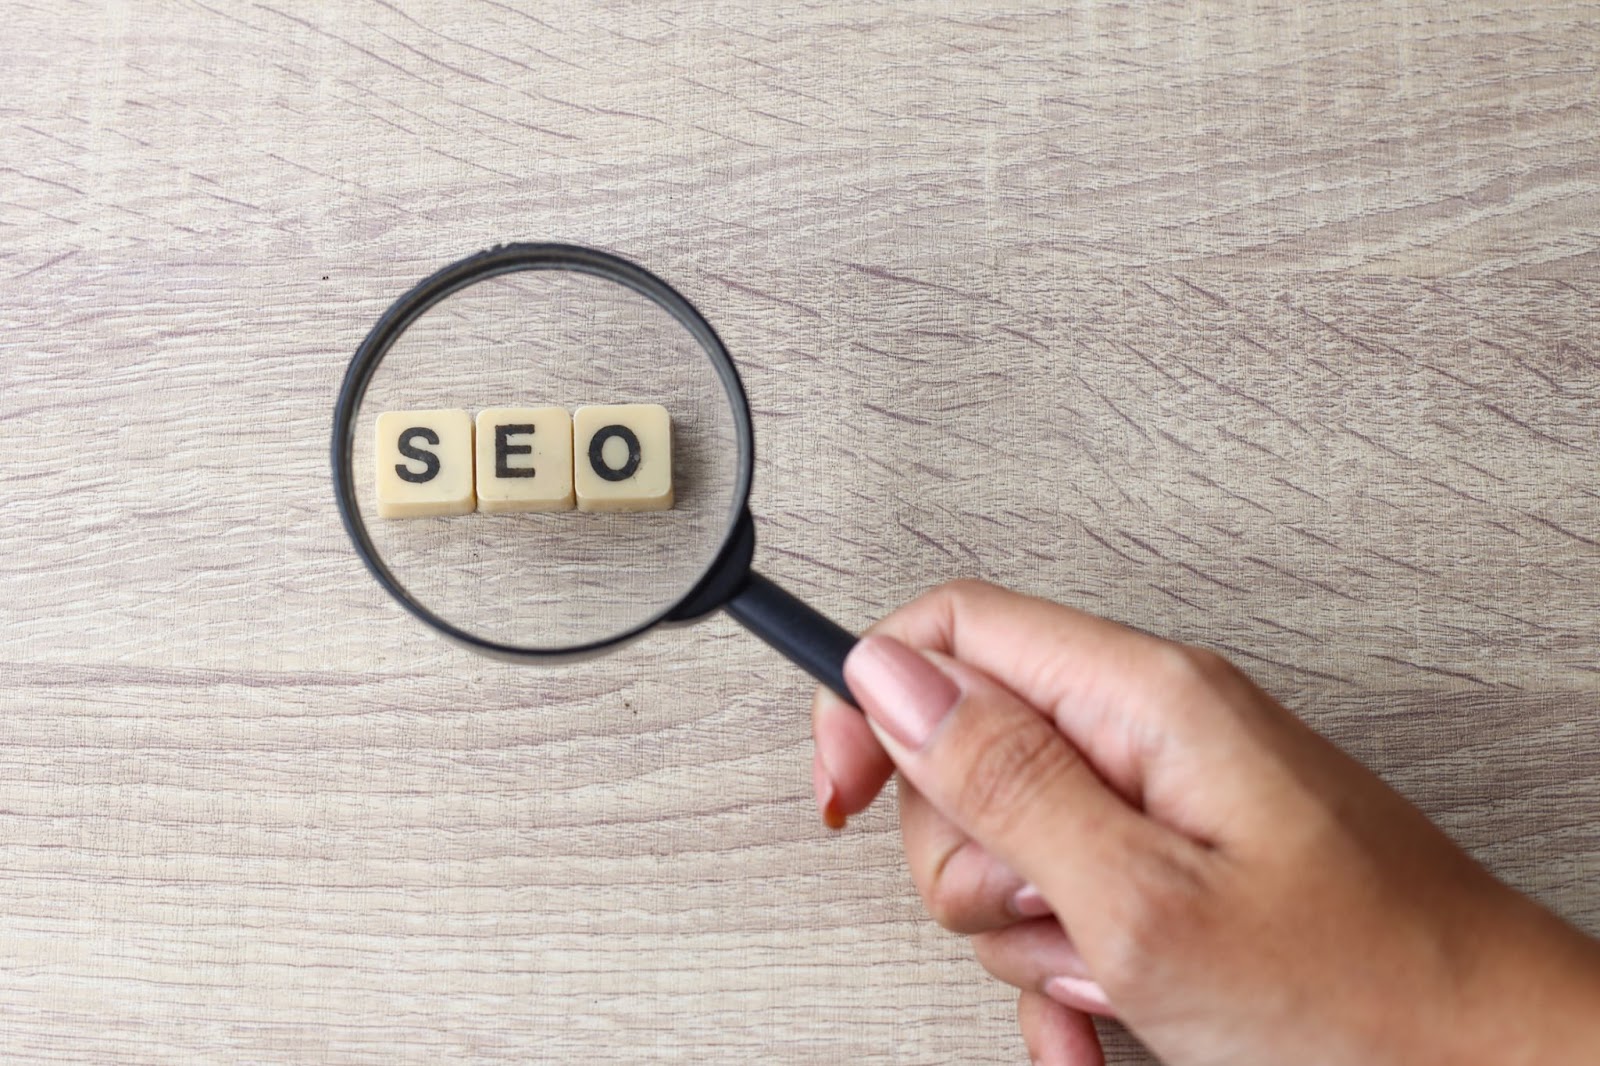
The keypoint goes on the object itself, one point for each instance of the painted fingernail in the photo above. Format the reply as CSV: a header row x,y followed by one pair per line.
x,y
1029,903
899,689
832,816
1079,992
827,795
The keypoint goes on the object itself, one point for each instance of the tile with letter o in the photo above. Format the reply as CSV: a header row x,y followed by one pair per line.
x,y
622,457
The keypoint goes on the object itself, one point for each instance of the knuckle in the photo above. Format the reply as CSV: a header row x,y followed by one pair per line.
x,y
966,587
988,949
1189,667
1012,769
1209,665
935,607
1161,917
953,896
948,905
958,597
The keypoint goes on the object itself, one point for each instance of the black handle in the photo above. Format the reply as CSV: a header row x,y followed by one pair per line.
x,y
811,640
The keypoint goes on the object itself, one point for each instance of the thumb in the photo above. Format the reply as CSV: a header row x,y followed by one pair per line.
x,y
1001,771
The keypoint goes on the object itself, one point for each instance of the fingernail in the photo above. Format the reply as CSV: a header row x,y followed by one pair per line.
x,y
899,689
1079,992
1029,903
827,795
832,816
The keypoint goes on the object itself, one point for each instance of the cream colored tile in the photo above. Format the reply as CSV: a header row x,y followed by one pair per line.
x,y
622,457
524,459
424,461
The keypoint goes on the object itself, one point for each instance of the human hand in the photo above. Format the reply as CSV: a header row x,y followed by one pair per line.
x,y
1127,826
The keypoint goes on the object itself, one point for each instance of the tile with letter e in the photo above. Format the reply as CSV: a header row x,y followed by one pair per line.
x,y
424,461
622,457
524,459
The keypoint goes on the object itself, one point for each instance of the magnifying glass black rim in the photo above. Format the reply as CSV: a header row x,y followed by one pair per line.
x,y
507,259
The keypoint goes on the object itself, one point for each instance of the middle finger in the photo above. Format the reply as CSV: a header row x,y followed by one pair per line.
x,y
966,889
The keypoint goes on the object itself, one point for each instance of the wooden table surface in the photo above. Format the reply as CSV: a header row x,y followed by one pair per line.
x,y
1270,325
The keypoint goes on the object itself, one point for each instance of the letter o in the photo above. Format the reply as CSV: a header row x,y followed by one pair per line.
x,y
597,459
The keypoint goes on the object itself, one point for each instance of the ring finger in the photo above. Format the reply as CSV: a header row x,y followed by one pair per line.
x,y
1038,956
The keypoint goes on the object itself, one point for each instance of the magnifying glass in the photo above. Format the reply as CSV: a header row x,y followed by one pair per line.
x,y
525,327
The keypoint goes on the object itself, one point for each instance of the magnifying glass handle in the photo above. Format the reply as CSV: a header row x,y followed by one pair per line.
x,y
810,640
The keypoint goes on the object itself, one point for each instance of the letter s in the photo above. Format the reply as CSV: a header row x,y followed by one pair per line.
x,y
430,462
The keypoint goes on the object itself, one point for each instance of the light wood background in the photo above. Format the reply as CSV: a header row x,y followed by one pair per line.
x,y
1270,326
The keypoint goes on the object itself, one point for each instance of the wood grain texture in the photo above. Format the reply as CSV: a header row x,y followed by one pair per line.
x,y
1269,326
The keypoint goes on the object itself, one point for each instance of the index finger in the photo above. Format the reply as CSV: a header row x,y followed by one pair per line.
x,y
854,763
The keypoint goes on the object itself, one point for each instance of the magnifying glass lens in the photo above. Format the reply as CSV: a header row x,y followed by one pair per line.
x,y
555,581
